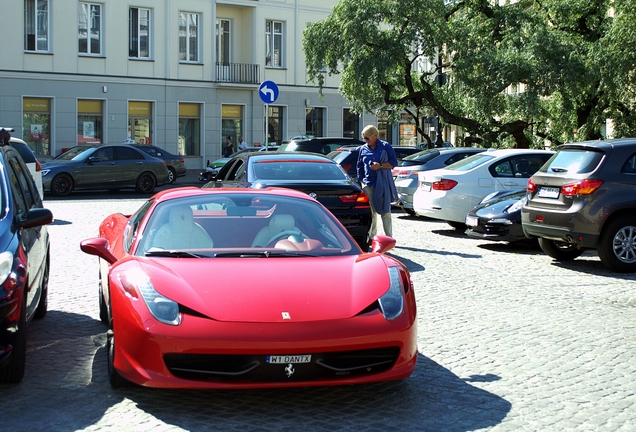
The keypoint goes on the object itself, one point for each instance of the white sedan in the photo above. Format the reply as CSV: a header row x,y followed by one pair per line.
x,y
450,193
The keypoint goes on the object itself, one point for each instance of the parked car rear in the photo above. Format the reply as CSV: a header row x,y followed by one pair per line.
x,y
347,157
323,145
584,197
175,163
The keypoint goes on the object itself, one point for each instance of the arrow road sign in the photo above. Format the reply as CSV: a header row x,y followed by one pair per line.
x,y
268,91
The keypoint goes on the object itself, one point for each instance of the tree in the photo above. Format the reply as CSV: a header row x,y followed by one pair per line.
x,y
564,55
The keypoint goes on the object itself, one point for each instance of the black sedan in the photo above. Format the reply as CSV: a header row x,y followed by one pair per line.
x,y
24,260
498,217
314,174
175,163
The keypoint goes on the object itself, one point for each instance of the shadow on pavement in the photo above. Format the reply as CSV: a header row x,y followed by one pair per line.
x,y
432,399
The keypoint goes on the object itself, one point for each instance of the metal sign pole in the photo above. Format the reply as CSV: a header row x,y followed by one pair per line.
x,y
266,126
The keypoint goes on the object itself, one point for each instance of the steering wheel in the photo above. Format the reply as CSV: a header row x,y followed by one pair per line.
x,y
280,235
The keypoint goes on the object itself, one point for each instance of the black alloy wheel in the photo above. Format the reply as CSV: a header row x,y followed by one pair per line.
x,y
62,185
13,371
115,379
146,183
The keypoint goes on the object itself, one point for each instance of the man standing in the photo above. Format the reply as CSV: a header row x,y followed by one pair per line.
x,y
242,144
375,162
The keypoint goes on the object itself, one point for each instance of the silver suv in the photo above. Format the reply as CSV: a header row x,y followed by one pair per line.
x,y
584,197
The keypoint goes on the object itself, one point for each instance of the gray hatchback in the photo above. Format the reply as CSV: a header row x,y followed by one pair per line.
x,y
584,197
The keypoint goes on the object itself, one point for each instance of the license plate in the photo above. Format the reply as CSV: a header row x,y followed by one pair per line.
x,y
549,192
286,359
426,187
472,221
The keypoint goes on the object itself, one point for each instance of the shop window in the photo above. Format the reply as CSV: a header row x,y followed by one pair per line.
x,y
231,124
274,127
314,118
140,122
350,124
36,125
89,121
189,129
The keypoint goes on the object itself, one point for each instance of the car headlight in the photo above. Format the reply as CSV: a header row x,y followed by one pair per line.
x,y
515,207
45,172
6,265
162,308
392,302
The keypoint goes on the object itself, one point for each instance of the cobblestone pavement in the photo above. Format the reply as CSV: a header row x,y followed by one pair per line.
x,y
508,340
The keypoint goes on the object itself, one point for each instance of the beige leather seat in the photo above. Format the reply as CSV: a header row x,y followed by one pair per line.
x,y
181,232
280,226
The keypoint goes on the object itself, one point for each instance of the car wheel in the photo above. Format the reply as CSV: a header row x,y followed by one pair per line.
x,y
172,175
146,183
62,185
13,371
115,379
617,245
409,211
561,251
43,305
459,226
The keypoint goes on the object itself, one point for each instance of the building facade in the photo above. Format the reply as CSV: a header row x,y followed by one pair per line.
x,y
179,74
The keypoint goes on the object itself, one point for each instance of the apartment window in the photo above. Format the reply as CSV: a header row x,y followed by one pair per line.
x,y
350,124
274,43
188,37
139,33
223,41
90,28
36,25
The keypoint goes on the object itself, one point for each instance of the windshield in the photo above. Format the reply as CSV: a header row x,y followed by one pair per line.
x,y
250,225
297,170
470,162
76,153
420,158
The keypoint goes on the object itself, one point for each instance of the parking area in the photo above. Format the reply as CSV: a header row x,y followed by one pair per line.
x,y
508,339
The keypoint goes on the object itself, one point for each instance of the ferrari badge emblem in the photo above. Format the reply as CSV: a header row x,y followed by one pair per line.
x,y
286,316
289,370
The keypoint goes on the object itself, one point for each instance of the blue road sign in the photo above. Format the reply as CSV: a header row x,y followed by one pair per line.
x,y
268,91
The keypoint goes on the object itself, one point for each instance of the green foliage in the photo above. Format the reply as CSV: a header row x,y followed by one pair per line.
x,y
573,60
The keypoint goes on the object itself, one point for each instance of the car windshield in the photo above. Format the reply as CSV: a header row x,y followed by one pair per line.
x,y
420,157
76,153
297,170
243,225
470,162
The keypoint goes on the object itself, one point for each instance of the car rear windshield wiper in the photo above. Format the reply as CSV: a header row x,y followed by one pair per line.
x,y
261,254
172,253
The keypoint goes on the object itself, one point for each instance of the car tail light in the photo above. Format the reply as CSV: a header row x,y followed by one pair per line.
x,y
182,160
532,186
360,199
346,167
444,184
38,166
583,187
403,172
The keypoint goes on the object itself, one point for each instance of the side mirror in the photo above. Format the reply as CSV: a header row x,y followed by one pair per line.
x,y
382,243
37,217
98,246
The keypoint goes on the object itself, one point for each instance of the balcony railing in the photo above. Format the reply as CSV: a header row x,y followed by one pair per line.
x,y
241,73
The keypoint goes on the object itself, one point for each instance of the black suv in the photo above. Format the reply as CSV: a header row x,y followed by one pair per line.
x,y
24,259
584,197
322,145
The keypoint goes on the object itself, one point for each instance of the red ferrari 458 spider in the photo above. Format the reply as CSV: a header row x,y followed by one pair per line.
x,y
247,288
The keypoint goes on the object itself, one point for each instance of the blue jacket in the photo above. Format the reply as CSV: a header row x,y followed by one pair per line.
x,y
382,180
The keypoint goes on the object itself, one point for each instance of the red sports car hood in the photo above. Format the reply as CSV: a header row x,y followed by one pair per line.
x,y
269,289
